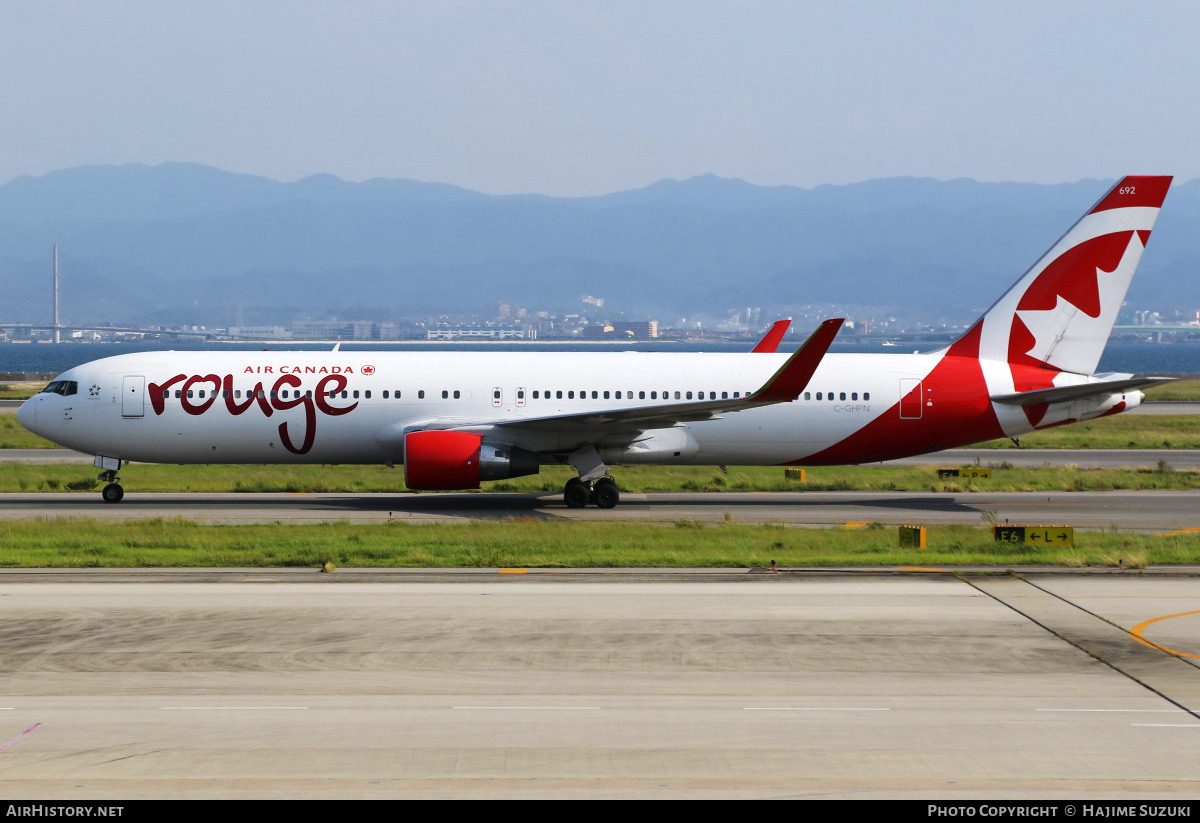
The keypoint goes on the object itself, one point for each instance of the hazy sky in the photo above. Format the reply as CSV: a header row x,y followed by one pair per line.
x,y
586,98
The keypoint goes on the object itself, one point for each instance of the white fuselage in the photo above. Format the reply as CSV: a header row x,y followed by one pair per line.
x,y
119,410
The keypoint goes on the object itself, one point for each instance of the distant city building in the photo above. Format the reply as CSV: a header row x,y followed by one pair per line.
x,y
480,333
338,330
260,332
596,331
643,329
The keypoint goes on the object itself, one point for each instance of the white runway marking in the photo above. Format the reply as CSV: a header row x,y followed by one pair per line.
x,y
1144,711
538,708
809,709
1170,725
223,708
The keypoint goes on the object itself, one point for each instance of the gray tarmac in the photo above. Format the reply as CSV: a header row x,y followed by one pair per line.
x,y
1149,511
689,685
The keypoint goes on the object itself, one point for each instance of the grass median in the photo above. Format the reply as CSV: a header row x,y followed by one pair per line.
x,y
535,543
60,477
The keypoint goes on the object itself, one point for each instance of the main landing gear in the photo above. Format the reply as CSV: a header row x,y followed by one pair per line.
x,y
603,492
113,492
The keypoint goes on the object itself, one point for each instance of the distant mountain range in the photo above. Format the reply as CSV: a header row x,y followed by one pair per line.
x,y
182,241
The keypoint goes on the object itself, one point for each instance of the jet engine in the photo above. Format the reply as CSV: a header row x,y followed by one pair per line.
x,y
445,460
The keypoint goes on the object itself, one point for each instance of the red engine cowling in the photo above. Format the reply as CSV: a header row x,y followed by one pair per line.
x,y
439,460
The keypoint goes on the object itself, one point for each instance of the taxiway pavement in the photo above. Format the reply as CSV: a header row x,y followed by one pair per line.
x,y
1145,511
769,686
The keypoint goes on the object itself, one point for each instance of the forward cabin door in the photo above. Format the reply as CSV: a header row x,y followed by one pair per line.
x,y
133,396
911,402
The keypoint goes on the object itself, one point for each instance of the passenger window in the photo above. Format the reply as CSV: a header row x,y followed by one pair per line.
x,y
558,395
457,394
520,394
385,394
570,395
445,394
595,395
724,395
166,394
496,394
366,394
842,396
677,395
308,394
641,395
237,393
343,395
605,395
178,394
689,395
275,394
190,394
421,394
866,395
807,395
853,395
737,394
535,394
830,397
224,394
618,395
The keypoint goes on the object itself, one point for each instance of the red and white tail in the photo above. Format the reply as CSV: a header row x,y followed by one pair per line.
x,y
1058,316
1049,330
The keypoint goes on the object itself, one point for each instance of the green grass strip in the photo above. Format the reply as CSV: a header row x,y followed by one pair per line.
x,y
58,477
532,543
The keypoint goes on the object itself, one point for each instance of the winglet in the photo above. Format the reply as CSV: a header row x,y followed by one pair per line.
x,y
770,341
787,383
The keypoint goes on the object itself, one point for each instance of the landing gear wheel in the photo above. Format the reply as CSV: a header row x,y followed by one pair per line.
x,y
112,493
605,493
576,495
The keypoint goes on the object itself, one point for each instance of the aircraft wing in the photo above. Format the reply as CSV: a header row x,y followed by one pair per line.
x,y
770,340
1083,391
783,387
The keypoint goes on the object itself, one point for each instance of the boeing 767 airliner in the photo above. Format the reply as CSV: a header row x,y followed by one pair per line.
x,y
456,419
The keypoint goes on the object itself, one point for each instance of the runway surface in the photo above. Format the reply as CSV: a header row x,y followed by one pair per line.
x,y
1145,511
783,686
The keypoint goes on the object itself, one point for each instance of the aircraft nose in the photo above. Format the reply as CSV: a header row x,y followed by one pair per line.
x,y
27,414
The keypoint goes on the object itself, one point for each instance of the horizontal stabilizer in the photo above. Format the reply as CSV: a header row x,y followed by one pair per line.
x,y
1066,394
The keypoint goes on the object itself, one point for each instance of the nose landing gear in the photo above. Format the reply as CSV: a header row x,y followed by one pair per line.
x,y
603,492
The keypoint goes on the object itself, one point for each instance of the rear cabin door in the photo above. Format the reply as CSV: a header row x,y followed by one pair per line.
x,y
133,396
911,402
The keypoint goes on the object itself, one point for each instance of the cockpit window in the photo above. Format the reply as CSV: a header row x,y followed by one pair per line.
x,y
64,387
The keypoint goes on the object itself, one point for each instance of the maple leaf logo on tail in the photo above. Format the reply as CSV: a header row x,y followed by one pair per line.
x,y
1058,316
